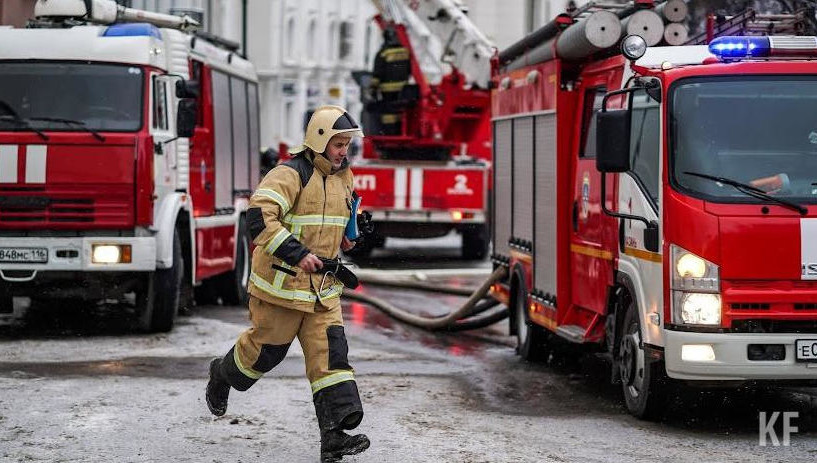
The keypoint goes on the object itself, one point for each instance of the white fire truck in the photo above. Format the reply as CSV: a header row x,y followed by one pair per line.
x,y
128,151
660,206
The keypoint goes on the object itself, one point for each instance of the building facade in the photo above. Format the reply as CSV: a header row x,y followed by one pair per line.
x,y
305,52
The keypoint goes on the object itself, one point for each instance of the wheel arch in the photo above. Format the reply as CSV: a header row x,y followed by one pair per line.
x,y
174,208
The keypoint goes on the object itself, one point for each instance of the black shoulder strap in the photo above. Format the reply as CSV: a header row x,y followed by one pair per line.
x,y
302,166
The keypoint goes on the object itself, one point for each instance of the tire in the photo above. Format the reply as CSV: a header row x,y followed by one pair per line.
x,y
643,383
232,286
158,301
475,242
531,339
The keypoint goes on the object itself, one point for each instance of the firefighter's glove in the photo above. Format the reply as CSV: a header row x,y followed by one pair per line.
x,y
364,225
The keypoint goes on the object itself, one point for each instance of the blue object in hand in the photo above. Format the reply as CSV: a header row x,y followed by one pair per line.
x,y
352,232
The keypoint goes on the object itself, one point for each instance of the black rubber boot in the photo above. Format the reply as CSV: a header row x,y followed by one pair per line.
x,y
336,443
218,390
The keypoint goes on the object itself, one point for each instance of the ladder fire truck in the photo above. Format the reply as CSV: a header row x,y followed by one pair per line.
x,y
432,176
659,204
128,151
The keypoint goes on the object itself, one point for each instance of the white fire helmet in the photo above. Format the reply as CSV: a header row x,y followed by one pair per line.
x,y
326,122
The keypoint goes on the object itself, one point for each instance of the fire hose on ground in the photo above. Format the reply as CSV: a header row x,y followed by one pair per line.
x,y
471,315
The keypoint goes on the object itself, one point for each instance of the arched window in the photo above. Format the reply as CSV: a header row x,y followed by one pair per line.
x,y
332,41
310,39
290,37
367,44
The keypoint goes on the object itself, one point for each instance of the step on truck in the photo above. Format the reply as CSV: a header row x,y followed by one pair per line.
x,y
128,151
658,204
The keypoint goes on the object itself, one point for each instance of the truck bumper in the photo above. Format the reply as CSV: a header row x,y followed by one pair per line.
x,y
74,254
731,362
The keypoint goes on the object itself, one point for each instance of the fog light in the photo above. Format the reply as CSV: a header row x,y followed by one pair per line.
x,y
456,216
697,353
111,254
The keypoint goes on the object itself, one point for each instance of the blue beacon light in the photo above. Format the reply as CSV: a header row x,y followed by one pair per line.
x,y
133,30
730,48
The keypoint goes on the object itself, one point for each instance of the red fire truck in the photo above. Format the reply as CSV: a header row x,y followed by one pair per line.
x,y
432,175
660,206
128,151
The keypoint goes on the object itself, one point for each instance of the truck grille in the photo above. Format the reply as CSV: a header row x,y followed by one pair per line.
x,y
32,207
750,306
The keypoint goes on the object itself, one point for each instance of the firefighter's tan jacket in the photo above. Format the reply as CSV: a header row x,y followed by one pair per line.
x,y
299,207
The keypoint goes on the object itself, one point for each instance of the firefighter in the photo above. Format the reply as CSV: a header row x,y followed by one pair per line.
x,y
298,214
392,67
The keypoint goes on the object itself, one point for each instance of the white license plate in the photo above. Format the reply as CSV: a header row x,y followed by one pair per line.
x,y
24,255
805,350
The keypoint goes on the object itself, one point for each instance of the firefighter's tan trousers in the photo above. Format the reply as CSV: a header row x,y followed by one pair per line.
x,y
263,346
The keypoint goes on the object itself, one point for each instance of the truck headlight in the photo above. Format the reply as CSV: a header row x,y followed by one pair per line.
x,y
695,285
693,273
111,254
699,308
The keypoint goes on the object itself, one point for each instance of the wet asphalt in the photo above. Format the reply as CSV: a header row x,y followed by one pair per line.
x,y
462,377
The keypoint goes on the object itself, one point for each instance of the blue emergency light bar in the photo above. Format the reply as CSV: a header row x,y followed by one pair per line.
x,y
737,47
133,30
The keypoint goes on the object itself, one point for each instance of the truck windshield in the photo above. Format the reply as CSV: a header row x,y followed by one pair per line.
x,y
760,131
100,96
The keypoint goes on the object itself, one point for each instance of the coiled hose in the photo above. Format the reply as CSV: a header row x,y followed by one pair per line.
x,y
463,318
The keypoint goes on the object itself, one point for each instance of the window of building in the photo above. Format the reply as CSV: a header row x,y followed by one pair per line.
x,y
331,41
290,37
347,34
310,39
367,44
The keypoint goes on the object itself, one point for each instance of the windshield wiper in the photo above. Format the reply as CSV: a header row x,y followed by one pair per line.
x,y
79,124
752,191
24,123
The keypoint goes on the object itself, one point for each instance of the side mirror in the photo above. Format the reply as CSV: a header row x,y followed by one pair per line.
x,y
651,237
187,88
613,141
186,117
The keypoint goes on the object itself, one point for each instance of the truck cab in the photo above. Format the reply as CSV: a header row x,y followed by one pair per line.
x,y
673,215
127,159
722,163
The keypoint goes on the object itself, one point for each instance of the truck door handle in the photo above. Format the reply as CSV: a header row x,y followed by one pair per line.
x,y
575,216
208,186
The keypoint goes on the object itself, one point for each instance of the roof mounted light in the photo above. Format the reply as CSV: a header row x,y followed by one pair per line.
x,y
133,30
633,47
736,48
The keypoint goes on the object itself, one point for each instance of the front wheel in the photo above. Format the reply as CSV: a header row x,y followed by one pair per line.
x,y
158,300
644,382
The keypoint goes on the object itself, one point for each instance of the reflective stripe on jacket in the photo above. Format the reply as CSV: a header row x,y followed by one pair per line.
x,y
299,207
